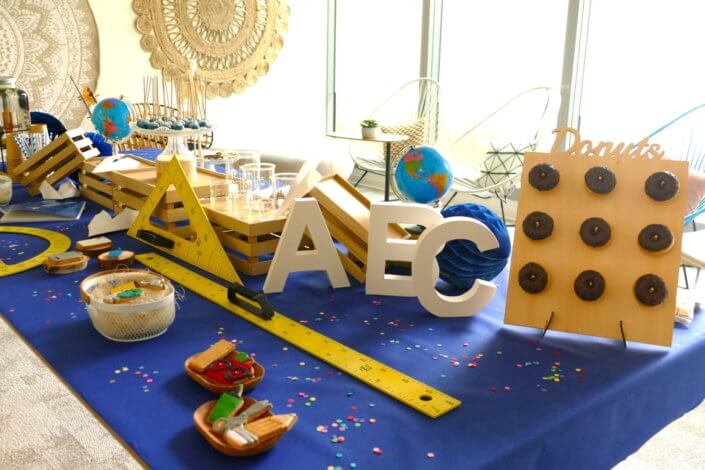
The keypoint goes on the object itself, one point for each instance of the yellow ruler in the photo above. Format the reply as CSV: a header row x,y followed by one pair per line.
x,y
403,388
58,243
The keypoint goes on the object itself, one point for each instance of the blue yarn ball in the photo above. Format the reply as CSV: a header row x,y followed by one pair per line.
x,y
460,261
100,143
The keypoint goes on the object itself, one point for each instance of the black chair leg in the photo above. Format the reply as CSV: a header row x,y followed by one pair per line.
x,y
449,200
358,181
685,276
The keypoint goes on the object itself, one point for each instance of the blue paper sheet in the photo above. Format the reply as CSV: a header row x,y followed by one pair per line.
x,y
607,402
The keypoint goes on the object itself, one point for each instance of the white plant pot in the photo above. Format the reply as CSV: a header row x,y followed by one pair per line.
x,y
369,132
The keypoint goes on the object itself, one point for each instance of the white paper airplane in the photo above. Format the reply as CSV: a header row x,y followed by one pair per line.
x,y
66,190
103,223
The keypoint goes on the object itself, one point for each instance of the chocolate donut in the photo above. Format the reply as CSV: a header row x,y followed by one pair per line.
x,y
600,180
650,290
662,186
595,232
589,285
533,278
655,237
544,177
538,225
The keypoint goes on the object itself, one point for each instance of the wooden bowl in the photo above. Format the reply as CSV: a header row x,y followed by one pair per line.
x,y
200,419
215,387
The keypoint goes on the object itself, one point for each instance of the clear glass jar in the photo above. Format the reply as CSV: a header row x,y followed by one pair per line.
x,y
14,106
260,186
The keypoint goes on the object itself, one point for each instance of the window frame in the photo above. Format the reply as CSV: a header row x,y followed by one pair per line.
x,y
574,54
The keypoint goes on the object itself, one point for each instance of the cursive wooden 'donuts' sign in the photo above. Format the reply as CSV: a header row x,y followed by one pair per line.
x,y
586,148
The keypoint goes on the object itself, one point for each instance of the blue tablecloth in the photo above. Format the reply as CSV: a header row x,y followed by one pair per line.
x,y
557,402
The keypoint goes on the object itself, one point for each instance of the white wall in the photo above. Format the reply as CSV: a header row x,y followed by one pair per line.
x,y
283,113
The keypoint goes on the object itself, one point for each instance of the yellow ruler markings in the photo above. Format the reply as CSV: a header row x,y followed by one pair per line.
x,y
207,241
58,243
406,389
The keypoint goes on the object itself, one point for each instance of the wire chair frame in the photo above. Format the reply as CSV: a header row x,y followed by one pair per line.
x,y
427,111
504,161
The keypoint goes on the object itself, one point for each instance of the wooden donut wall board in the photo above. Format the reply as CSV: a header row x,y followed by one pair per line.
x,y
564,255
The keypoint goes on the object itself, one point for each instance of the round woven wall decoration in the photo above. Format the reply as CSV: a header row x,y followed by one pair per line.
x,y
45,43
231,42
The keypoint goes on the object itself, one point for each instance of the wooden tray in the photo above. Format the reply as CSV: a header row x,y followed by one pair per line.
x,y
219,388
251,241
200,419
347,214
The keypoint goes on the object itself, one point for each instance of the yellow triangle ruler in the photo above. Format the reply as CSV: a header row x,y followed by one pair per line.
x,y
58,243
205,251
419,396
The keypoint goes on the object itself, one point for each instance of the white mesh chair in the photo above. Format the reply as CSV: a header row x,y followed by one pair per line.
x,y
487,159
683,138
411,110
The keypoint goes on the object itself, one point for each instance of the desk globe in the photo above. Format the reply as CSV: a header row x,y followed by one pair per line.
x,y
111,118
422,175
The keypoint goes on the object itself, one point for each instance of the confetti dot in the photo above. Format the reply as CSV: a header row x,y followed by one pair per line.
x,y
430,455
339,455
353,465
377,451
372,420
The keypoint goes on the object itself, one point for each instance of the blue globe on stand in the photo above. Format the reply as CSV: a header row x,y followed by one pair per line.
x,y
111,118
461,263
422,175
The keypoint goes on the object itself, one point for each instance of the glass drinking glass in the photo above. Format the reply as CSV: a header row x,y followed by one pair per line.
x,y
259,178
220,199
283,182
238,184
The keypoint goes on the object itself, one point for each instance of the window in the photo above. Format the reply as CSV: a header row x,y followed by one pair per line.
x,y
643,66
492,51
378,49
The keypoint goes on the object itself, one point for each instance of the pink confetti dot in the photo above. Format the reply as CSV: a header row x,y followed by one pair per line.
x,y
430,455
377,451
493,389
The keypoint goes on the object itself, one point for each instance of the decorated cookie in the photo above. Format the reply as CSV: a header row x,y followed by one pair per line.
x,y
241,427
221,368
538,225
655,237
595,232
115,258
589,285
533,278
232,369
544,177
662,186
65,263
650,290
227,405
94,246
600,180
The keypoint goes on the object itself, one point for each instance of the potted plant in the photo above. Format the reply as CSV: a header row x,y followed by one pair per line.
x,y
369,128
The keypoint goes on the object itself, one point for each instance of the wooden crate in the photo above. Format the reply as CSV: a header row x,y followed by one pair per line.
x,y
347,214
250,241
60,158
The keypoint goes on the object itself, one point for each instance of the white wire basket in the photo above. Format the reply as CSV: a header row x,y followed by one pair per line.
x,y
128,322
